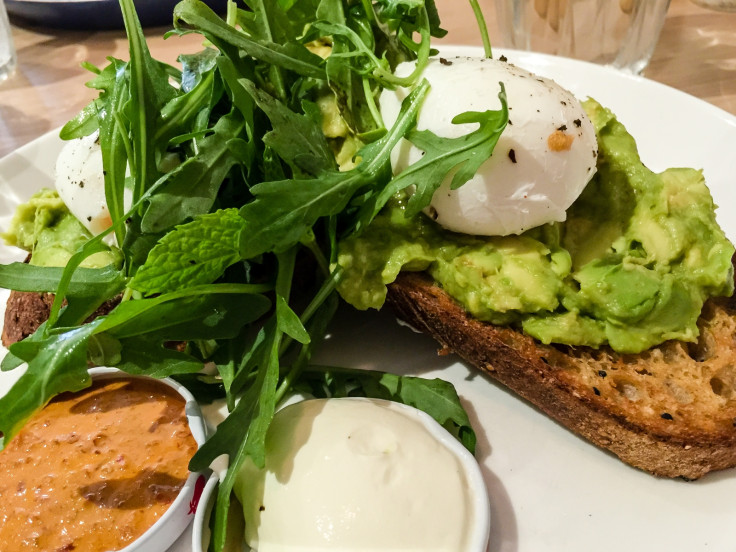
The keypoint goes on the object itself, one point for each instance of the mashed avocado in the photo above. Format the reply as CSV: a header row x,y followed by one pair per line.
x,y
51,234
631,266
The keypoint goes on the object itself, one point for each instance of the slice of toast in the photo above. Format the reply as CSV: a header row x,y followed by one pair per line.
x,y
670,411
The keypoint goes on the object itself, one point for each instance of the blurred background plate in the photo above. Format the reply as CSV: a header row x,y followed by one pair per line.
x,y
93,14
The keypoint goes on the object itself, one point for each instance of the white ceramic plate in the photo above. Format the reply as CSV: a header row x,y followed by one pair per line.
x,y
550,490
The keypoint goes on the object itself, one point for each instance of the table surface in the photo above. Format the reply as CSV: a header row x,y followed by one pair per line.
x,y
696,53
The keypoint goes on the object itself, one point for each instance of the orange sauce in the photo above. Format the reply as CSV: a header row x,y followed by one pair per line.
x,y
94,470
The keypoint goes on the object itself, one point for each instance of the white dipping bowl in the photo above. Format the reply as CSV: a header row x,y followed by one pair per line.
x,y
479,527
162,534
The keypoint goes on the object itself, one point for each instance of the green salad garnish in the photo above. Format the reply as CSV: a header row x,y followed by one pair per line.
x,y
245,166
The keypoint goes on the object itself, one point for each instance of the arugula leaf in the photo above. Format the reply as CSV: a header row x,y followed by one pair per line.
x,y
105,281
295,137
147,356
149,91
114,145
196,67
289,323
436,397
194,253
464,155
284,211
203,20
198,85
86,291
206,389
55,364
84,124
175,315
367,61
191,188
261,408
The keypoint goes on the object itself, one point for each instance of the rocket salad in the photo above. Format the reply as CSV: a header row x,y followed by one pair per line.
x,y
244,169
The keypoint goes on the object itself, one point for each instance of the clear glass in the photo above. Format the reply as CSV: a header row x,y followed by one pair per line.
x,y
720,5
7,50
620,33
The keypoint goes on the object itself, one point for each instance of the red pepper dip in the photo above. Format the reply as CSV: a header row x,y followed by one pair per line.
x,y
94,470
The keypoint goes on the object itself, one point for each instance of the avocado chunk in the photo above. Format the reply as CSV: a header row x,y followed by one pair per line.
x,y
45,228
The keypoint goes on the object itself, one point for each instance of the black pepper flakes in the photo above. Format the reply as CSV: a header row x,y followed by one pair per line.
x,y
89,219
81,183
595,390
261,508
667,416
562,128
578,123
602,373
512,155
503,58
444,61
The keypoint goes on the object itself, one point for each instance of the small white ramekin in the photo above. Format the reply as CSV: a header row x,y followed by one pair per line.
x,y
480,526
162,534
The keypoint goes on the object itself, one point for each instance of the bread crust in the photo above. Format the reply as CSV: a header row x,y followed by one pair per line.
x,y
670,411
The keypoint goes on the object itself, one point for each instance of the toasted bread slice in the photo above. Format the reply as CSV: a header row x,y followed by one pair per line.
x,y
25,311
670,411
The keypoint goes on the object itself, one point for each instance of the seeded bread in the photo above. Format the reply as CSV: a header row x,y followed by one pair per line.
x,y
670,411
25,311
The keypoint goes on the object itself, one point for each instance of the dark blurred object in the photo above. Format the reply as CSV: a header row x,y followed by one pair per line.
x,y
94,14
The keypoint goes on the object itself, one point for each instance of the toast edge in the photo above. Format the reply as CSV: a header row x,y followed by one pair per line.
x,y
517,361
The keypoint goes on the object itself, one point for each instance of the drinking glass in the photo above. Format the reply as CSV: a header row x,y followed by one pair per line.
x,y
620,33
720,5
7,50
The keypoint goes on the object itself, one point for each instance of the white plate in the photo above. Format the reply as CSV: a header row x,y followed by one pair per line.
x,y
550,490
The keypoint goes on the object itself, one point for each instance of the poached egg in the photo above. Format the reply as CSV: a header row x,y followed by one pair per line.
x,y
80,182
544,158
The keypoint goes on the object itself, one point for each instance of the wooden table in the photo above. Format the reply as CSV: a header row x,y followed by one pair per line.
x,y
696,53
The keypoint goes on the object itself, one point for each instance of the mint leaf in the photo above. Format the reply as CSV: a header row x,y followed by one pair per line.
x,y
192,254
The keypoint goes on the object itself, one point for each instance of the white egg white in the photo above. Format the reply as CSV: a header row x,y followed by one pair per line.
x,y
542,162
80,182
